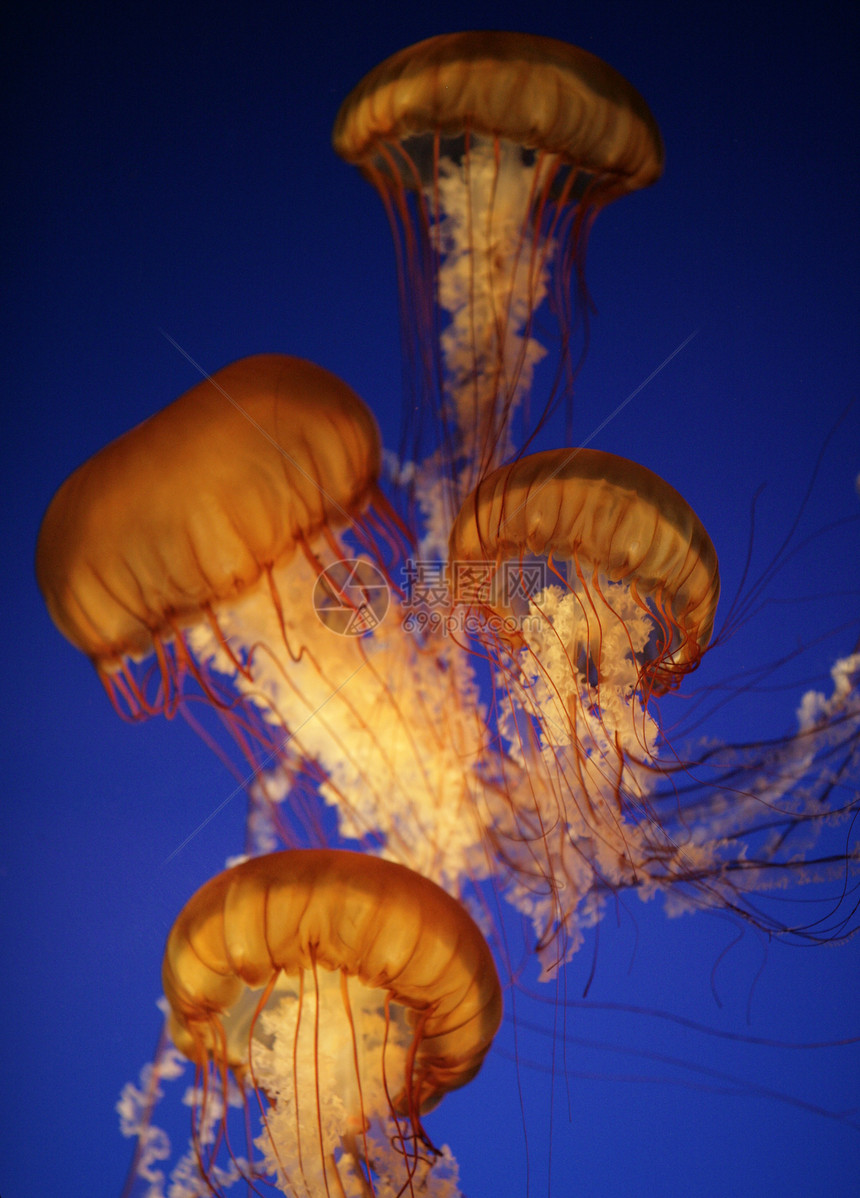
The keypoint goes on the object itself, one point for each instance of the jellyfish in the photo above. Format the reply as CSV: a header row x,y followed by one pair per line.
x,y
192,560
186,559
201,503
560,784
493,153
606,527
343,996
595,587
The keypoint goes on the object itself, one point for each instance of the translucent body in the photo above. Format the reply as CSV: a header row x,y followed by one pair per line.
x,y
406,981
392,720
492,152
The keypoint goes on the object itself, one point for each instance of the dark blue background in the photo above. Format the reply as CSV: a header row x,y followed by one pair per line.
x,y
168,168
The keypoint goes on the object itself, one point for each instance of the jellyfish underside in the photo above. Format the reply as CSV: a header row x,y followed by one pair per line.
x,y
321,1048
346,995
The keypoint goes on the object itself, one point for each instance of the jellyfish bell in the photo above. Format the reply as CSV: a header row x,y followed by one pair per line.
x,y
605,526
535,92
200,502
493,153
347,995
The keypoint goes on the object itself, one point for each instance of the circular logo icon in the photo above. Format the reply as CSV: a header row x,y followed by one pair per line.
x,y
351,597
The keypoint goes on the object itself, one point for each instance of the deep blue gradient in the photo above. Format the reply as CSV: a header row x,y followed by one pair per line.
x,y
173,174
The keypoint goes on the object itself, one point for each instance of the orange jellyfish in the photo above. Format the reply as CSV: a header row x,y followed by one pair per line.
x,y
186,558
595,587
492,152
199,504
591,585
218,499
345,996
606,525
205,540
